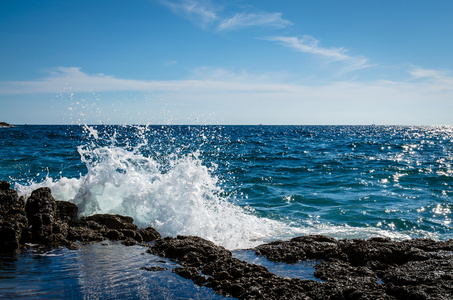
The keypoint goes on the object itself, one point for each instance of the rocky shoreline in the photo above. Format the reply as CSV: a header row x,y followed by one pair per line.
x,y
378,268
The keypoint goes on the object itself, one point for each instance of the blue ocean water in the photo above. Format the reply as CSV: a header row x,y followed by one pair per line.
x,y
240,186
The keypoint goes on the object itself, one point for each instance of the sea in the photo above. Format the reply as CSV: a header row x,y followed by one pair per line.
x,y
238,186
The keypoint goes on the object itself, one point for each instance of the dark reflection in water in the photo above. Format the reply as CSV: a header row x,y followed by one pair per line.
x,y
95,271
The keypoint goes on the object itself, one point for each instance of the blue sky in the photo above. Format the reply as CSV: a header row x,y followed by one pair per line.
x,y
226,62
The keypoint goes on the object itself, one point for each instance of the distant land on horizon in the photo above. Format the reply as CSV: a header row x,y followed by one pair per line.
x,y
4,124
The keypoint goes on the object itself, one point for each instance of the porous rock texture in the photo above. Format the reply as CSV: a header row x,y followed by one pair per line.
x,y
13,220
378,268
44,221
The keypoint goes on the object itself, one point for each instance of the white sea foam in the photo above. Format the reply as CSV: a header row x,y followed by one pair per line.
x,y
177,196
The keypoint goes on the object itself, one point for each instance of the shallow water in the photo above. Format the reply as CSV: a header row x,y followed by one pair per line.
x,y
95,271
109,270
303,270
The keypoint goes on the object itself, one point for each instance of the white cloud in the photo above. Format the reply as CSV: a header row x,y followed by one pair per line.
x,y
432,80
261,98
170,63
240,20
198,11
73,79
205,13
210,79
418,73
309,44
225,75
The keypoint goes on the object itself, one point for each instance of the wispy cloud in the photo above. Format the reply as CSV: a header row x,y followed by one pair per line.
x,y
309,44
198,11
218,91
418,73
241,20
72,79
206,14
432,80
205,79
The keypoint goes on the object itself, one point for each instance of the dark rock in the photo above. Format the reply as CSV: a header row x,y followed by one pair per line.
x,y
45,221
149,234
153,269
4,185
430,279
360,252
129,242
117,222
13,220
10,202
84,222
41,201
132,234
376,251
302,248
84,234
42,213
207,264
114,235
67,212
378,268
4,124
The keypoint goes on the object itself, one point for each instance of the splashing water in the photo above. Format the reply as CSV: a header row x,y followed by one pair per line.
x,y
176,195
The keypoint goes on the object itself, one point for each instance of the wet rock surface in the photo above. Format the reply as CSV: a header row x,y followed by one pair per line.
x,y
43,220
213,266
378,268
13,220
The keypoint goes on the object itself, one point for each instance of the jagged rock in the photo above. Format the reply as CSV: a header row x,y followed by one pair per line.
x,y
129,242
131,234
114,235
153,269
54,223
13,220
67,212
84,234
385,269
149,234
429,279
4,185
188,247
213,266
411,269
42,213
116,222
302,248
